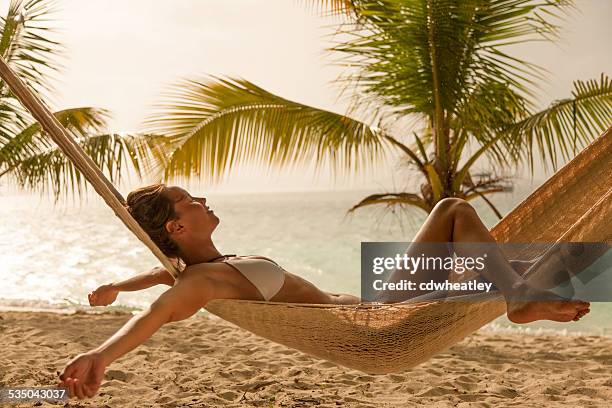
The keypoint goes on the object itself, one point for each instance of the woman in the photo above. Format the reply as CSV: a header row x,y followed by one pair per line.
x,y
182,226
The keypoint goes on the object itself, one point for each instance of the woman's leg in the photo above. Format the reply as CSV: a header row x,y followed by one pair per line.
x,y
452,220
455,220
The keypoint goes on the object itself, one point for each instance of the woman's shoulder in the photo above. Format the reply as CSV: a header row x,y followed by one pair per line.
x,y
209,278
209,271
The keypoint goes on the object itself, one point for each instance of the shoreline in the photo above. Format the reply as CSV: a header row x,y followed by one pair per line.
x,y
209,362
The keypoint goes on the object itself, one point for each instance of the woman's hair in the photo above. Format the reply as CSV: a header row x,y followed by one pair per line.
x,y
152,208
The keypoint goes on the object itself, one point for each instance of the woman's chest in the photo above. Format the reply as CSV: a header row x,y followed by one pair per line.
x,y
220,281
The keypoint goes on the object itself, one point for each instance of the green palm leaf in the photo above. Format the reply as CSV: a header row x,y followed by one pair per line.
x,y
51,170
435,182
568,124
427,56
32,160
215,122
26,46
485,184
392,200
417,45
31,140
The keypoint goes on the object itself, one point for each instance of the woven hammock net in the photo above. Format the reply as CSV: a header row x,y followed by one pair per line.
x,y
574,205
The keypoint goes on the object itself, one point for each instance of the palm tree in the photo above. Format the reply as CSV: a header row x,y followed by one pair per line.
x,y
443,63
28,156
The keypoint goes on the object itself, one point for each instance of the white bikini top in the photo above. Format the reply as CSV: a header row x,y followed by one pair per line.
x,y
265,274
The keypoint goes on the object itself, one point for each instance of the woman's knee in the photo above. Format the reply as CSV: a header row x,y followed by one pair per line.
x,y
453,205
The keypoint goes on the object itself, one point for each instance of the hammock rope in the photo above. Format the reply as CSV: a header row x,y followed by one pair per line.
x,y
575,204
82,161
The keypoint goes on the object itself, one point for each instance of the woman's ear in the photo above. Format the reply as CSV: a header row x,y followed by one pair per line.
x,y
173,227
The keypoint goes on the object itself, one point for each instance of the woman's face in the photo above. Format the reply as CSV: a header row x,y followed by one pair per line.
x,y
194,216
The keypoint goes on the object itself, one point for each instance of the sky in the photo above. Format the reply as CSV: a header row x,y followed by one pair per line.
x,y
121,55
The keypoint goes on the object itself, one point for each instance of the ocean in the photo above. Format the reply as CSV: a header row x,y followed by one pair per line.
x,y
51,257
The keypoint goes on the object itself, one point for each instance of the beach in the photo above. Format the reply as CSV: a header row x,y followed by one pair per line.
x,y
207,362
55,268
269,160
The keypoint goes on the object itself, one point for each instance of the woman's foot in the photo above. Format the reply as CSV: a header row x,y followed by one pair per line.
x,y
527,304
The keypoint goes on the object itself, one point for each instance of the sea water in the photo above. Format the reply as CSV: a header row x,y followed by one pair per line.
x,y
51,257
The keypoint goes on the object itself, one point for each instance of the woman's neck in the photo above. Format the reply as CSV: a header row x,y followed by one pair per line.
x,y
199,251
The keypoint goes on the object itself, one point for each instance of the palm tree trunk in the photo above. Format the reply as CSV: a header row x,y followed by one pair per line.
x,y
438,117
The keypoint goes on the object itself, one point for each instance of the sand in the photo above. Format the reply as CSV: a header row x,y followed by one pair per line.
x,y
204,362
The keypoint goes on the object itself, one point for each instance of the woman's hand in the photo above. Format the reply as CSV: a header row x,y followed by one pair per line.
x,y
103,296
83,375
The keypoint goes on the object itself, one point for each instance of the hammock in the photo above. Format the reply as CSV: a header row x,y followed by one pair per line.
x,y
575,204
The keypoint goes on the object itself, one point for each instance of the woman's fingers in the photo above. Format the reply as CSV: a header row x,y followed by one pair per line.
x,y
81,389
94,300
83,375
70,385
101,297
74,372
86,391
78,389
68,372
73,391
67,386
89,391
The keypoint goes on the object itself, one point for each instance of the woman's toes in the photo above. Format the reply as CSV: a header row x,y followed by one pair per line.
x,y
581,314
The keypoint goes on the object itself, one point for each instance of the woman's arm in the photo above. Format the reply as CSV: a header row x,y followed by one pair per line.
x,y
83,375
155,276
106,294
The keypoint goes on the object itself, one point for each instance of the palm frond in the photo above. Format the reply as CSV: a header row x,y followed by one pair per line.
x,y
567,125
31,140
51,170
13,118
435,182
393,200
482,117
420,144
334,7
486,183
26,44
216,122
409,152
411,47
487,201
460,176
